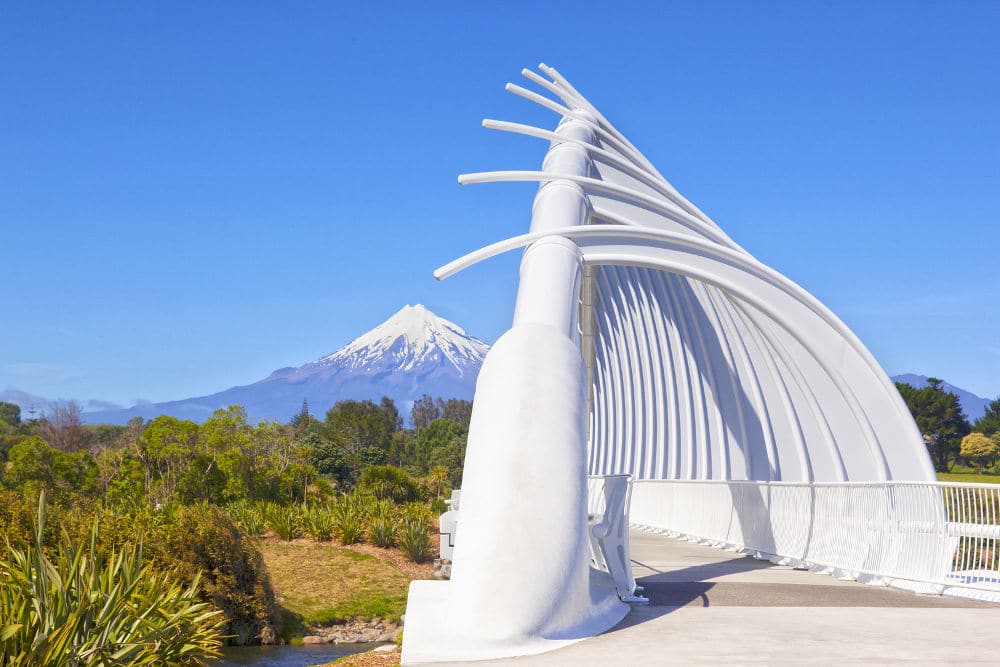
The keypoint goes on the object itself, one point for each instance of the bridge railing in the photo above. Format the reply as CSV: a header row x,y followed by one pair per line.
x,y
941,537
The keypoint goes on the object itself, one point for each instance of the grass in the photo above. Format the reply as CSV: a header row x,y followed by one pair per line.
x,y
323,584
971,477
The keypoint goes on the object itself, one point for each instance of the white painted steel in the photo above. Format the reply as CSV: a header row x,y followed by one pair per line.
x,y
646,342
521,581
608,523
935,537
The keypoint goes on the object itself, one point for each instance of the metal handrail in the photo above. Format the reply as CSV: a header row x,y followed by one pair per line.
x,y
932,536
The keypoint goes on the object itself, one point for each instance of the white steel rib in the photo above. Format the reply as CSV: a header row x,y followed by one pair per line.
x,y
708,364
647,342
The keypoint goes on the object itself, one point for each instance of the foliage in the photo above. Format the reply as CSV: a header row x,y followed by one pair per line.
x,y
284,520
389,482
940,419
414,538
163,484
980,448
202,538
426,409
383,523
10,413
349,519
319,522
989,423
248,516
78,607
364,424
32,460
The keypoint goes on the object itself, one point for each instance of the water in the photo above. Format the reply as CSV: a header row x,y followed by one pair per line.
x,y
287,656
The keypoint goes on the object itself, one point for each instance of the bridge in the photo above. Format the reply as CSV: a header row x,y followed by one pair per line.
x,y
709,606
647,343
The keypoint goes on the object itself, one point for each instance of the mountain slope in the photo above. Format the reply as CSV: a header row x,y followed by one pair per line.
x,y
414,352
973,406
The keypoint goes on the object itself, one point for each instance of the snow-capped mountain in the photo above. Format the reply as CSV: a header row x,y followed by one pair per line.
x,y
412,341
414,352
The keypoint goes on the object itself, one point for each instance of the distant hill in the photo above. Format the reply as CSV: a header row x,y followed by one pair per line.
x,y
973,406
414,352
29,402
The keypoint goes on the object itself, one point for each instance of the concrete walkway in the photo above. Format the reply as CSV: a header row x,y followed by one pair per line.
x,y
709,606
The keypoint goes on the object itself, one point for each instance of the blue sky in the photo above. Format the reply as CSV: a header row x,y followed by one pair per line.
x,y
195,194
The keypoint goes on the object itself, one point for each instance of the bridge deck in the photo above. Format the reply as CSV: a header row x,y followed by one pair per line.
x,y
709,606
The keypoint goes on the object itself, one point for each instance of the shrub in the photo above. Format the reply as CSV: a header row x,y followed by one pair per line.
x,y
285,521
349,519
414,538
389,482
248,516
78,607
383,522
202,537
319,522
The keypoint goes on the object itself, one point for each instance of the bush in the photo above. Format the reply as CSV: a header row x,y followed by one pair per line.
x,y
80,608
415,539
319,522
383,522
248,516
389,483
201,537
284,520
349,519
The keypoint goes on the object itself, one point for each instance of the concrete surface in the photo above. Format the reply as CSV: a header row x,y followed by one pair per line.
x,y
710,606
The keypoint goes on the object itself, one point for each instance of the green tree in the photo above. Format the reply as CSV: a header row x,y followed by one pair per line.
x,y
939,417
425,410
979,448
329,458
441,443
363,424
989,423
163,449
33,461
10,413
389,482
457,410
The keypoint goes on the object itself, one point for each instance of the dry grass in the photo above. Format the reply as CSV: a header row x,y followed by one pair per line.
x,y
397,559
320,583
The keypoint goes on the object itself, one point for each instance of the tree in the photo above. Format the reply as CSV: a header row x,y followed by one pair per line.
x,y
424,411
939,417
10,413
363,424
989,423
442,443
163,449
329,458
458,411
303,421
33,460
389,482
62,427
979,448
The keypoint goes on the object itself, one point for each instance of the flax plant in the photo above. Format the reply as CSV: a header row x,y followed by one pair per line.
x,y
78,608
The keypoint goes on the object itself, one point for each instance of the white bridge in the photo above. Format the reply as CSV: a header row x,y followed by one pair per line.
x,y
645,342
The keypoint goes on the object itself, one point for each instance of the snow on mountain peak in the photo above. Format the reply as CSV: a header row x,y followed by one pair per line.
x,y
409,339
